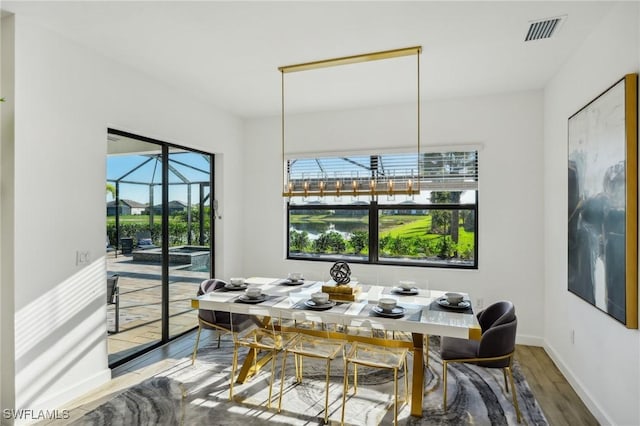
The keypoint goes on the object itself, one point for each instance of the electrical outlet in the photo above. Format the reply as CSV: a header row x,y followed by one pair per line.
x,y
83,257
479,303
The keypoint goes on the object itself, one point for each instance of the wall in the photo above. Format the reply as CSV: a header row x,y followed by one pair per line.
x,y
509,127
6,211
603,364
65,99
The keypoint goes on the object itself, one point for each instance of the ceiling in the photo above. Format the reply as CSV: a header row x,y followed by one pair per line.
x,y
227,53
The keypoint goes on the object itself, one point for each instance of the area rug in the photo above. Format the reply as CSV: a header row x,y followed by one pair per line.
x,y
199,395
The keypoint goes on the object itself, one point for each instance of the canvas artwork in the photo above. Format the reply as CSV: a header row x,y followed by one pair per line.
x,y
602,192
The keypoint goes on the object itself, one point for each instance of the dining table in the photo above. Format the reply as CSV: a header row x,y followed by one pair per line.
x,y
421,312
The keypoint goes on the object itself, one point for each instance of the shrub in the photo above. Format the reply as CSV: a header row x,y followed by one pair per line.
x,y
359,240
298,241
331,242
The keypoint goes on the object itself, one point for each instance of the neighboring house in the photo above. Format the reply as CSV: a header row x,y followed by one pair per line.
x,y
127,207
406,207
174,207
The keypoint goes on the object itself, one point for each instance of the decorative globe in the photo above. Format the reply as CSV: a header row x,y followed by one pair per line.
x,y
340,272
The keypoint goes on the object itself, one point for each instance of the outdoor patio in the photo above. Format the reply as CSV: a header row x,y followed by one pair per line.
x,y
140,303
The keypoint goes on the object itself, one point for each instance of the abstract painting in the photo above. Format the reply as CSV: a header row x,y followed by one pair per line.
x,y
602,202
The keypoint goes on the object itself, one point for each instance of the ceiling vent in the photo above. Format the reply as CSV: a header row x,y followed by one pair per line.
x,y
544,28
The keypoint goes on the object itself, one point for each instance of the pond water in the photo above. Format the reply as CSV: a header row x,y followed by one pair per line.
x,y
314,229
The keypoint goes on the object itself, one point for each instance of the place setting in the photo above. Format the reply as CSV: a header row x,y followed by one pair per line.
x,y
235,284
405,288
454,302
388,308
319,302
254,295
293,279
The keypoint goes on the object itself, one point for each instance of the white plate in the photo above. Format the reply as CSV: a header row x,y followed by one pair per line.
x,y
461,306
232,287
246,299
409,291
293,282
396,312
323,307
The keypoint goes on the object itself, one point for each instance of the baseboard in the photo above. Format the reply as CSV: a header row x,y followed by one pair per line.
x,y
595,408
525,339
73,392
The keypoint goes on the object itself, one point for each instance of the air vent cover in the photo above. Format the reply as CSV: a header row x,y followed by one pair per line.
x,y
544,28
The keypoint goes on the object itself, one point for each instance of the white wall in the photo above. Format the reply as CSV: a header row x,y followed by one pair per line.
x,y
65,98
6,213
603,364
510,200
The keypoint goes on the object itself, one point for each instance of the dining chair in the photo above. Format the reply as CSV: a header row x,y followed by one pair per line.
x,y
263,338
385,357
318,347
495,349
219,321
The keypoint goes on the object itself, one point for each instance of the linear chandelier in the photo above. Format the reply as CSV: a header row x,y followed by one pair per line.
x,y
371,184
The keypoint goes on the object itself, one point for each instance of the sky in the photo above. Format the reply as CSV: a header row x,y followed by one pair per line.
x,y
146,169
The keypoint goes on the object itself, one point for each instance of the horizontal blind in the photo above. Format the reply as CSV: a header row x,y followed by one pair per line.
x,y
450,171
439,171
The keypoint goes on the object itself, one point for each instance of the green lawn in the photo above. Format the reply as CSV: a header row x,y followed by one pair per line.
x,y
134,219
409,226
406,226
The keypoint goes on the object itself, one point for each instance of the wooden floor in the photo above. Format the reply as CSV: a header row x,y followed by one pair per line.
x,y
559,402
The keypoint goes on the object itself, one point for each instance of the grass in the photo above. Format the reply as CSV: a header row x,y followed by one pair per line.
x,y
405,226
134,219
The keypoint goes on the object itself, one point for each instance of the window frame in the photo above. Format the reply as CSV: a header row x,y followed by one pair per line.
x,y
374,208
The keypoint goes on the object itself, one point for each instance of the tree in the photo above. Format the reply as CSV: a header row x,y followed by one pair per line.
x,y
111,189
440,219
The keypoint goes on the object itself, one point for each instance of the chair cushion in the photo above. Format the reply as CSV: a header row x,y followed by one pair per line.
x,y
498,313
454,348
221,319
497,341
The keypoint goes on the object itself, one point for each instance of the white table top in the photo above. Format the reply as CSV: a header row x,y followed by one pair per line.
x,y
284,301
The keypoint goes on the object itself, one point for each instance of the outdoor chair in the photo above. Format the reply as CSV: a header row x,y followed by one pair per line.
x,y
144,241
109,247
113,298
494,350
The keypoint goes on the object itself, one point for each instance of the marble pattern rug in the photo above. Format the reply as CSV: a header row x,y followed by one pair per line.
x,y
199,395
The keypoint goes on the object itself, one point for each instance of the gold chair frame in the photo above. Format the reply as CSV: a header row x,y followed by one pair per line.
x,y
219,330
478,361
253,340
299,353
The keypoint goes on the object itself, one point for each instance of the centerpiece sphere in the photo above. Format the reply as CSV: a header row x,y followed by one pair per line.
x,y
340,272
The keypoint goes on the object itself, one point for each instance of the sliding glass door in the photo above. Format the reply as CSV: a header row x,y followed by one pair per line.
x,y
189,234
159,234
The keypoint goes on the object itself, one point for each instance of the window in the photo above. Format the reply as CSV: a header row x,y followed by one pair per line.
x,y
436,228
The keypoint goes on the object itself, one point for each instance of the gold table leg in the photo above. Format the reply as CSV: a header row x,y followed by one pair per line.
x,y
417,376
247,370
